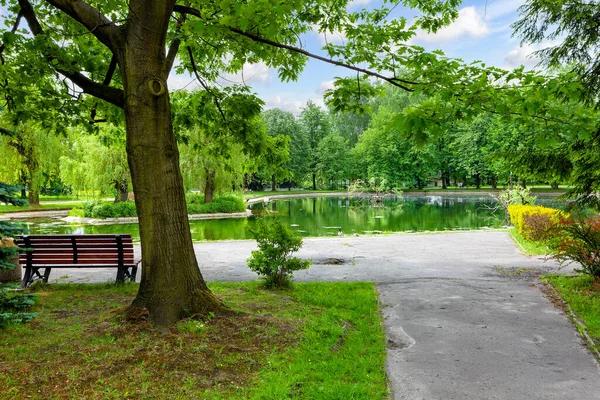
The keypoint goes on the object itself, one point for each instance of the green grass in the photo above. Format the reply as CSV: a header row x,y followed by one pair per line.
x,y
317,341
582,294
42,207
528,247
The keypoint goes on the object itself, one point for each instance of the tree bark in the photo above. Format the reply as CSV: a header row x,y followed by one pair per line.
x,y
209,186
314,181
273,183
33,197
172,286
122,188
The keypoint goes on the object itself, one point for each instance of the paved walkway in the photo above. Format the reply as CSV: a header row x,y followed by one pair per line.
x,y
461,324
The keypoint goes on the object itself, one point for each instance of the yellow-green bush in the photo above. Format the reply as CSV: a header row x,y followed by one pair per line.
x,y
534,222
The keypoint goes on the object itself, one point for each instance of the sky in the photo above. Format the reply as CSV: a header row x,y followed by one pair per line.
x,y
481,32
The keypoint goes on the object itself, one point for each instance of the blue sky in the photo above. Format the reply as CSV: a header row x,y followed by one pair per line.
x,y
481,32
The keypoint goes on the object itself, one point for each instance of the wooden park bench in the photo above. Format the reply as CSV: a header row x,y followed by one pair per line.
x,y
41,253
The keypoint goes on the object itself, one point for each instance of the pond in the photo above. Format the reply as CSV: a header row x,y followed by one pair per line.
x,y
324,216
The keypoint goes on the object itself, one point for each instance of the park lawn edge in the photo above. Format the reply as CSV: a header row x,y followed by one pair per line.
x,y
580,296
528,247
319,340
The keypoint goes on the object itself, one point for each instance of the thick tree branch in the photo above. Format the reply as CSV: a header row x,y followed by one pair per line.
x,y
403,84
109,74
174,47
7,96
91,18
111,70
112,95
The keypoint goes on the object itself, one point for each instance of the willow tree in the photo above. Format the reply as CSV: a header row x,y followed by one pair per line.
x,y
119,54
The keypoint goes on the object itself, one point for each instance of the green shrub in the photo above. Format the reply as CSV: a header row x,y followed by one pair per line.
x,y
225,204
534,222
13,304
579,242
77,212
272,260
106,209
194,198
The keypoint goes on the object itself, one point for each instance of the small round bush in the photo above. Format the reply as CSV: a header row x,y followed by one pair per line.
x,y
273,260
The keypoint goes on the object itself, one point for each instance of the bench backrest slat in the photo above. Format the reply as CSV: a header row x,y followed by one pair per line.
x,y
76,249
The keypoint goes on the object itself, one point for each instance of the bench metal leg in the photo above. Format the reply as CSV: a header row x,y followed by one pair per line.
x,y
46,274
27,278
120,275
125,274
33,274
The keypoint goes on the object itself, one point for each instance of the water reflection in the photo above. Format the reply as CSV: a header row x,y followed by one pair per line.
x,y
323,216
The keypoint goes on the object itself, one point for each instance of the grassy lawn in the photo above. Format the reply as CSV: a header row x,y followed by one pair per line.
x,y
318,341
528,247
11,209
582,294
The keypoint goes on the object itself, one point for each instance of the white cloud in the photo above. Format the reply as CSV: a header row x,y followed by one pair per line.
x,y
469,23
250,73
328,37
521,56
358,3
293,106
177,82
324,86
524,55
500,8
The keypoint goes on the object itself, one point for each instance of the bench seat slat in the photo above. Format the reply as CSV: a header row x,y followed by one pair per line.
x,y
112,254
66,265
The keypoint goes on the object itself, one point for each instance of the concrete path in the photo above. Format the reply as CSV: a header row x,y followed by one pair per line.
x,y
463,313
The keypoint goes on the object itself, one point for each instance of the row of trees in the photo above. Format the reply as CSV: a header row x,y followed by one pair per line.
x,y
319,149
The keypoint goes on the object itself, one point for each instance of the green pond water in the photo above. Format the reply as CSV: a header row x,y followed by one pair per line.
x,y
324,216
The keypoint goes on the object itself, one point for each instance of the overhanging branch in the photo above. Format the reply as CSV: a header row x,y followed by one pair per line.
x,y
91,18
110,94
401,83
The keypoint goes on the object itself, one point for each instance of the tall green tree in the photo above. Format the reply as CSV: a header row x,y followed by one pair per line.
x,y
32,152
316,124
219,128
569,31
334,158
281,122
96,162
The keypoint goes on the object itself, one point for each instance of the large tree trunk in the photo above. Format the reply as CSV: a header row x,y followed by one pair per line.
x,y
172,286
273,183
314,180
209,186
